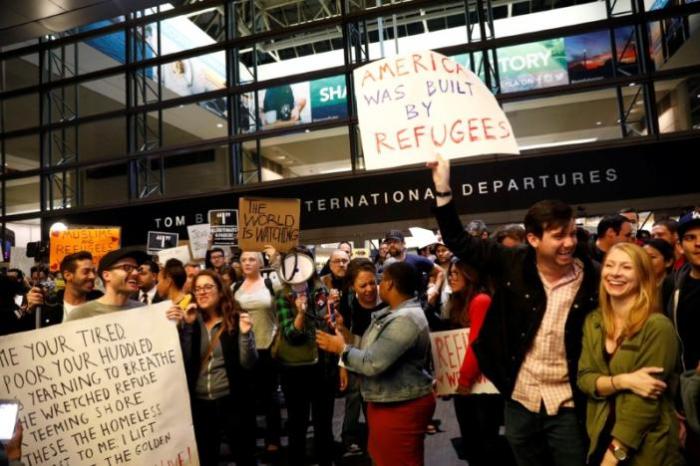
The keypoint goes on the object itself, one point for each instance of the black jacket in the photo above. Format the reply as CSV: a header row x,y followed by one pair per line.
x,y
518,305
239,377
52,313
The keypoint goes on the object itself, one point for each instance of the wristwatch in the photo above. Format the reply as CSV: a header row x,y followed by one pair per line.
x,y
618,452
344,353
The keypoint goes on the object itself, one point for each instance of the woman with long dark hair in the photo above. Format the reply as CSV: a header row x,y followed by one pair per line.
x,y
628,367
219,349
479,415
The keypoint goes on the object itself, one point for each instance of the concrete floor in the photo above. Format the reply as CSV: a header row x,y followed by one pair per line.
x,y
438,447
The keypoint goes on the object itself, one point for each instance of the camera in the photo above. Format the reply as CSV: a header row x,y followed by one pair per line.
x,y
48,287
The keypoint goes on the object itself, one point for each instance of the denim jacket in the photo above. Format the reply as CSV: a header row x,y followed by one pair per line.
x,y
394,355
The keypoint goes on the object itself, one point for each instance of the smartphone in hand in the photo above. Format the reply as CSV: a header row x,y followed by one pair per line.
x,y
9,410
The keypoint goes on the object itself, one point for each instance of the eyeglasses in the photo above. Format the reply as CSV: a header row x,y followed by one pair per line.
x,y
339,261
216,256
128,268
204,288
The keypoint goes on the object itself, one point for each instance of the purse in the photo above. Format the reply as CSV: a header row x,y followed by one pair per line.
x,y
293,354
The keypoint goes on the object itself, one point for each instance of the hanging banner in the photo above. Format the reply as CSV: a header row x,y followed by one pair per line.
x,y
199,240
224,226
97,241
106,390
269,221
449,349
411,106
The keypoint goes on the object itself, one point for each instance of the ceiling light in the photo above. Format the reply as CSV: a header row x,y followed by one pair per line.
x,y
281,157
557,144
632,84
219,125
58,226
598,123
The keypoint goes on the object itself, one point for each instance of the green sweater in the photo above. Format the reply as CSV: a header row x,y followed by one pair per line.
x,y
649,427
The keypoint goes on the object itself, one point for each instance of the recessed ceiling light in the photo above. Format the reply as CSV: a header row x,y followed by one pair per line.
x,y
219,125
598,123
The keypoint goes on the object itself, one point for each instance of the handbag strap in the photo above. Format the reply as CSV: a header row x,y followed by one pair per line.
x,y
210,348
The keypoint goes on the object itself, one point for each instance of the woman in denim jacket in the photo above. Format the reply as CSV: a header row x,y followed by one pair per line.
x,y
393,362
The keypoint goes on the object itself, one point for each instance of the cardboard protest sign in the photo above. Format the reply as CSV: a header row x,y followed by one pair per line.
x,y
159,240
224,226
199,240
98,241
181,253
412,106
105,390
449,349
269,221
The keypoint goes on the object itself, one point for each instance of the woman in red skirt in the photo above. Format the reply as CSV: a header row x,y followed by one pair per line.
x,y
393,362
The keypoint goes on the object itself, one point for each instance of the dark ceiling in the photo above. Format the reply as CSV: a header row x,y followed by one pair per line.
x,y
21,20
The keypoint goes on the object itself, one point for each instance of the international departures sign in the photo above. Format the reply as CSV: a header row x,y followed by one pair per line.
x,y
512,183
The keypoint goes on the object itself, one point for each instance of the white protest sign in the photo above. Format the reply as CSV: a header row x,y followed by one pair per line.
x,y
19,260
199,239
449,349
105,390
181,253
412,106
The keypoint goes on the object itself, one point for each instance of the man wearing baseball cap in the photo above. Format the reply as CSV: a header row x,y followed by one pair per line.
x,y
118,270
432,276
684,310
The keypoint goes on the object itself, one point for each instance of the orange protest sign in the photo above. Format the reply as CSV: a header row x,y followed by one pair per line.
x,y
98,241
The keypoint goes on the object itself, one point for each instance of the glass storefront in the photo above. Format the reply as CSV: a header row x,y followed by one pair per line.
x,y
171,101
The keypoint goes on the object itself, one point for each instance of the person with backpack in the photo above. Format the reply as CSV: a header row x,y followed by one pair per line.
x,y
255,294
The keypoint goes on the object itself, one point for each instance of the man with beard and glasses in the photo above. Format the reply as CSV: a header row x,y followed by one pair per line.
x,y
119,271
79,274
530,342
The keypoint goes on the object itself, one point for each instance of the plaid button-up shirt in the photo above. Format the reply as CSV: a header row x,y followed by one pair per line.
x,y
544,376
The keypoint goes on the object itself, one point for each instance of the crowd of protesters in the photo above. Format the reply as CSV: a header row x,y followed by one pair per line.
x,y
590,341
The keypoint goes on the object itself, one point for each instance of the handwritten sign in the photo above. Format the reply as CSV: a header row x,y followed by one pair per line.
x,y
449,349
414,105
224,226
98,241
199,239
106,390
159,240
269,221
181,253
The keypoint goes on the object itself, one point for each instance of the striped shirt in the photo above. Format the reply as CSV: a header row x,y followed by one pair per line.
x,y
544,375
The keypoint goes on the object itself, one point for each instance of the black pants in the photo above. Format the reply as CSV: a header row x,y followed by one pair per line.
x,y
265,382
309,389
479,418
538,439
211,417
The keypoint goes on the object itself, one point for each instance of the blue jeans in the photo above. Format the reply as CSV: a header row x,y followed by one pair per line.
x,y
538,439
